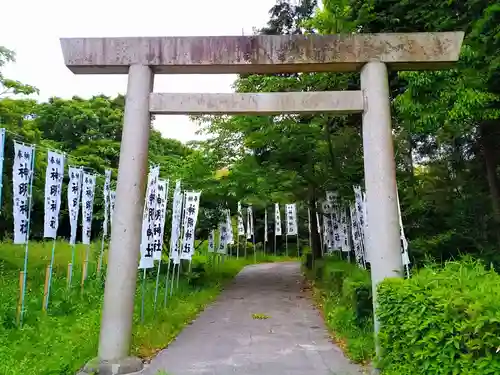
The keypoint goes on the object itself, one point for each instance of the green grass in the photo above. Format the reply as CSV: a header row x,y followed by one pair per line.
x,y
61,341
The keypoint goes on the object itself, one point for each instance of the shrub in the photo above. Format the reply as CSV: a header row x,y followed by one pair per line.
x,y
347,304
441,321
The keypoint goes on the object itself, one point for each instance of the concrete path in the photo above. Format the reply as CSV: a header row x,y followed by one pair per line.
x,y
225,339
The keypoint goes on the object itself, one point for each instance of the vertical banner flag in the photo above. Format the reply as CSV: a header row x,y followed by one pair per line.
x,y
318,225
326,207
22,171
107,195
74,196
241,226
159,218
211,244
249,222
87,206
277,220
147,234
223,237
291,219
356,236
265,226
344,230
230,236
191,216
176,223
404,241
360,217
112,198
53,186
2,151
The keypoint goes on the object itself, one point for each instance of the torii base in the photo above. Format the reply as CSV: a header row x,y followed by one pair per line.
x,y
125,366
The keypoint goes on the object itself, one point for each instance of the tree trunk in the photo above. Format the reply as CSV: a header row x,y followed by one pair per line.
x,y
487,142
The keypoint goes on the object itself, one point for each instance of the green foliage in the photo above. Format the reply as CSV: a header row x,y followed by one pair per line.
x,y
441,321
345,296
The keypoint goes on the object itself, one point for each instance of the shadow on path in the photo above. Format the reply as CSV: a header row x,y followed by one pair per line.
x,y
226,339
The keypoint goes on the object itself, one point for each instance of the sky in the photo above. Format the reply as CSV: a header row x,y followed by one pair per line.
x,y
32,29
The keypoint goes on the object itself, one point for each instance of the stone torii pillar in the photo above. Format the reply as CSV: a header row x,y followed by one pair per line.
x,y
141,58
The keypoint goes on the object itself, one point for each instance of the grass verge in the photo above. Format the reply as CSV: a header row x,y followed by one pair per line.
x,y
61,340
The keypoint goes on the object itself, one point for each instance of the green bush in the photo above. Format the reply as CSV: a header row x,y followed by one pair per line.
x,y
441,321
347,304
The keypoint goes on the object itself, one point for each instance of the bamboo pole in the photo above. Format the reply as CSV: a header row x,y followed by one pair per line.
x,y
46,288
21,294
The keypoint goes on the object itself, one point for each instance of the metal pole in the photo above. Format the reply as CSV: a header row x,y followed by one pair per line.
x,y
50,273
166,284
254,249
143,294
275,252
383,240
286,244
28,225
156,286
101,255
118,308
70,277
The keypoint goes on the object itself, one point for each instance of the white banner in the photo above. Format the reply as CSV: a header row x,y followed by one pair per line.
x,y
326,208
277,220
147,233
88,190
265,226
54,175
222,248
112,198
356,237
211,244
74,196
241,226
344,229
249,222
360,218
176,223
291,219
2,154
190,217
230,236
404,241
106,193
22,180
159,218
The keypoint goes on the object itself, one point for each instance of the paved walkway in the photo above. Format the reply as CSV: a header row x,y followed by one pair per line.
x,y
225,339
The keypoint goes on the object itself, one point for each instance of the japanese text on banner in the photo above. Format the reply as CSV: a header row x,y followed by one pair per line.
x,y
88,190
22,171
176,223
147,233
106,194
53,188
190,217
74,196
277,220
291,219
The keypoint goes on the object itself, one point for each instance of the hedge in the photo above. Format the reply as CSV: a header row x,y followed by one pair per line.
x,y
441,321
347,304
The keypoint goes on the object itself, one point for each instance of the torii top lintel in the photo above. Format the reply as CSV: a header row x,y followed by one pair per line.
x,y
262,53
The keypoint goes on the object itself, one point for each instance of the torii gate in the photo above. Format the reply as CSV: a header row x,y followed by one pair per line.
x,y
143,57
